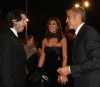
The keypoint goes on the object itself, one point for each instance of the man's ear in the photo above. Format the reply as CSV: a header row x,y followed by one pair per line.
x,y
78,16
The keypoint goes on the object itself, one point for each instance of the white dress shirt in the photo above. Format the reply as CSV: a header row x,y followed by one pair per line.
x,y
14,31
78,28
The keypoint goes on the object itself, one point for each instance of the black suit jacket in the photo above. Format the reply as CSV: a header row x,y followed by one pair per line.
x,y
12,61
86,58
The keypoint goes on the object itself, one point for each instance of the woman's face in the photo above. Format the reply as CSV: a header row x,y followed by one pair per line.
x,y
53,26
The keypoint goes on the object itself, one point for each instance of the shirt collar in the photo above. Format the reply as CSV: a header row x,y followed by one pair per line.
x,y
14,31
79,27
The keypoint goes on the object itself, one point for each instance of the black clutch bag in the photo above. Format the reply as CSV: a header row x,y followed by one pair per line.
x,y
44,81
35,77
39,79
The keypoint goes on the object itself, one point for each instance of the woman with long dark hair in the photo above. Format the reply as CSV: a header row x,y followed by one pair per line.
x,y
54,53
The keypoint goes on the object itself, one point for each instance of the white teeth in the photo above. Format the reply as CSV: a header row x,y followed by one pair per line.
x,y
51,28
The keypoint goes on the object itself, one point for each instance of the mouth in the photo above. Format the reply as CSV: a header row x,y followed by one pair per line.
x,y
68,23
24,26
51,28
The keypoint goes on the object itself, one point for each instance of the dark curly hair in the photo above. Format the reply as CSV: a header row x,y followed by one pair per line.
x,y
14,15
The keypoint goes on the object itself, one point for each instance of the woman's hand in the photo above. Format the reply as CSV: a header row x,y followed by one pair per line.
x,y
62,79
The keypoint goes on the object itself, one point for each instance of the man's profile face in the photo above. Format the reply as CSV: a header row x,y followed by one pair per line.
x,y
20,25
71,20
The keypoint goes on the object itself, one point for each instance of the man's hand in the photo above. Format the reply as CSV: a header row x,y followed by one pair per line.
x,y
63,70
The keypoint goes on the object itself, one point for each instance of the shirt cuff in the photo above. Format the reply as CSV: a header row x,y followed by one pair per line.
x,y
69,70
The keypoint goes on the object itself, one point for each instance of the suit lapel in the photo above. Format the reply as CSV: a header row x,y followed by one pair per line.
x,y
78,38
14,38
17,42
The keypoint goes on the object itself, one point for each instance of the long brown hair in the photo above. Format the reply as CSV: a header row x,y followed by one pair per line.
x,y
59,33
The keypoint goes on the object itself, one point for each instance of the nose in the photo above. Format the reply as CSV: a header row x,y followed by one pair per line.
x,y
25,22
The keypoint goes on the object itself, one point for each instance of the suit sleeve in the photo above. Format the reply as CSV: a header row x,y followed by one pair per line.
x,y
91,44
6,62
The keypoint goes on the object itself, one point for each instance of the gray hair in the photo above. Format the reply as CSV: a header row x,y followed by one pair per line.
x,y
80,11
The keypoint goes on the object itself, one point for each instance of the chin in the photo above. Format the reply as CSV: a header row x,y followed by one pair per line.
x,y
71,28
21,31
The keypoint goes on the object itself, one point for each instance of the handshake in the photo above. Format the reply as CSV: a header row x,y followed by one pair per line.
x,y
63,72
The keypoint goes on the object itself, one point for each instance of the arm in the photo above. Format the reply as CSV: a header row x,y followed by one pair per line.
x,y
6,62
42,56
64,51
91,55
63,78
92,51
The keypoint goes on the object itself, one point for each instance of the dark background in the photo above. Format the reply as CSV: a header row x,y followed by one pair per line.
x,y
39,11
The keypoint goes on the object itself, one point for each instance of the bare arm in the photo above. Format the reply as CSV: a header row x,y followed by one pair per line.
x,y
64,51
63,78
42,56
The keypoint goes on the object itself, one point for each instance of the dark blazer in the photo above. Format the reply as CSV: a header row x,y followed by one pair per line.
x,y
12,61
86,58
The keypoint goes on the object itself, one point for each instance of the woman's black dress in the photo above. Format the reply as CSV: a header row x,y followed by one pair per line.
x,y
53,60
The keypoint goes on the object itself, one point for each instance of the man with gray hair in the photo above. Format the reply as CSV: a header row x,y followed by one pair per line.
x,y
86,51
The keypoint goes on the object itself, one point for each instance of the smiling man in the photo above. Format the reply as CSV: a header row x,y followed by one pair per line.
x,y
86,51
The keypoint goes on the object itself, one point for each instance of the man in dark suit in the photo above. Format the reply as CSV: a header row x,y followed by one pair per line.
x,y
12,54
86,51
